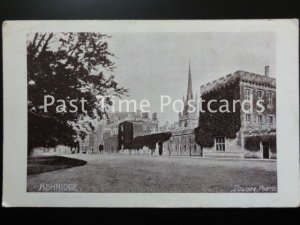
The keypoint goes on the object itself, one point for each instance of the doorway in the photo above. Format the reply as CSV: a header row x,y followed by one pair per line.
x,y
160,148
265,150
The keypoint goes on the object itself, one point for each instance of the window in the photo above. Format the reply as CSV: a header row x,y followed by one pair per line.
x,y
259,119
269,98
220,143
248,94
248,118
270,119
259,95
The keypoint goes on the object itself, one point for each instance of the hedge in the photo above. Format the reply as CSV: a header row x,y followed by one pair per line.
x,y
150,140
252,143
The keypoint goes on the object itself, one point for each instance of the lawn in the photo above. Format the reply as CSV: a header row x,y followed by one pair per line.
x,y
123,173
42,164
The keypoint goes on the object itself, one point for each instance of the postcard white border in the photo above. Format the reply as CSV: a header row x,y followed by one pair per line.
x,y
15,116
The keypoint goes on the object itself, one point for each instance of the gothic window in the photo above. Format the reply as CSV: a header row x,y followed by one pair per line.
x,y
248,94
270,120
269,98
220,143
248,118
259,95
259,119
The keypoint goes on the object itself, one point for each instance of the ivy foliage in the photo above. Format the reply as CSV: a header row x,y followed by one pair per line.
x,y
212,124
204,139
252,143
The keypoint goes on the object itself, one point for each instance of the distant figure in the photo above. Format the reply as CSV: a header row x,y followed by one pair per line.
x,y
74,147
100,148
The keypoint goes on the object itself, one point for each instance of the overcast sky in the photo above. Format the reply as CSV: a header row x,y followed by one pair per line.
x,y
155,64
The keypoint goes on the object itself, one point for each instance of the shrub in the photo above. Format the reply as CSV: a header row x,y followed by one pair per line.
x,y
204,139
252,143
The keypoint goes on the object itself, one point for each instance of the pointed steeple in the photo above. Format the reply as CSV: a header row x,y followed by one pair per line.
x,y
190,88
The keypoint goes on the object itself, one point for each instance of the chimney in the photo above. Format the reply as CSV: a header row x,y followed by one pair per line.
x,y
267,71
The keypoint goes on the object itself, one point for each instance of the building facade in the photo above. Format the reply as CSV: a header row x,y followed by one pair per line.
x,y
126,126
250,131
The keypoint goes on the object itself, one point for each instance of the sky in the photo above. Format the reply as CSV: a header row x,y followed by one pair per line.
x,y
155,64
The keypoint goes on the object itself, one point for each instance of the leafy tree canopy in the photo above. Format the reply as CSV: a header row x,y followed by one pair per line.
x,y
67,66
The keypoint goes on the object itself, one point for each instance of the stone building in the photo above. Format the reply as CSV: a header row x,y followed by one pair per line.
x,y
117,131
182,143
247,132
110,141
93,142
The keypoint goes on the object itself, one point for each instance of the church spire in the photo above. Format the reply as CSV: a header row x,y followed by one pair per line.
x,y
190,89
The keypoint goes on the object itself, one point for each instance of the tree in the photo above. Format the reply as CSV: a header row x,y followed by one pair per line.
x,y
68,66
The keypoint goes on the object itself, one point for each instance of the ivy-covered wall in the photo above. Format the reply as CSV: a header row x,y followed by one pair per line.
x,y
225,124
125,135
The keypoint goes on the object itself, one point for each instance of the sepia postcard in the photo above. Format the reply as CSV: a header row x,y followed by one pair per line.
x,y
127,113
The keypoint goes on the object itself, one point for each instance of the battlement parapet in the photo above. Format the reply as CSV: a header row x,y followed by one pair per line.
x,y
243,76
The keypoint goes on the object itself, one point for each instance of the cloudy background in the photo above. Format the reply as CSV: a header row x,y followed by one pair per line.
x,y
155,64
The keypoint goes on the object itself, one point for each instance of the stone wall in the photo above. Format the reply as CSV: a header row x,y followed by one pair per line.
x,y
232,150
182,143
111,144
